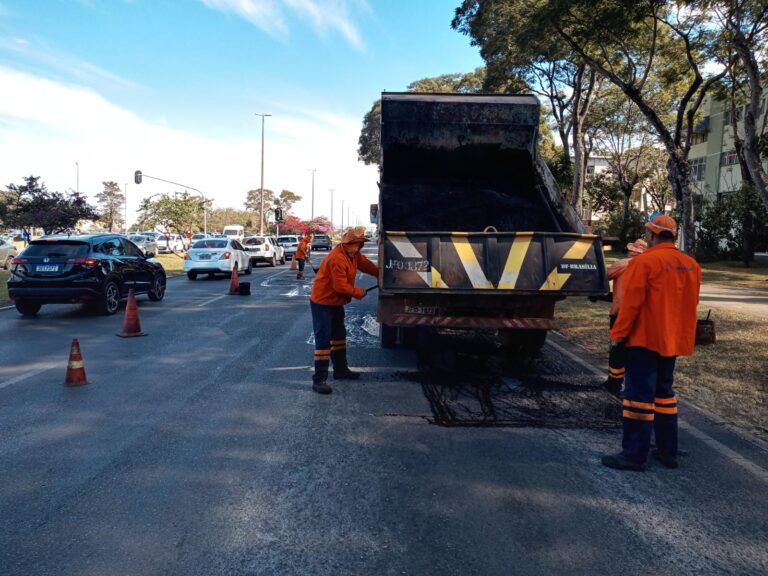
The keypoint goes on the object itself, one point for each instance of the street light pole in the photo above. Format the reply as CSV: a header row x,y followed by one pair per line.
x,y
261,209
313,170
332,189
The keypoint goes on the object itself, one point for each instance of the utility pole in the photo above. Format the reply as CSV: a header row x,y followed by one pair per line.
x,y
261,209
313,170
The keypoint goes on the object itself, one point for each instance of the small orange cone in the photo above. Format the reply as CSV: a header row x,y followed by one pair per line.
x,y
131,324
234,284
75,367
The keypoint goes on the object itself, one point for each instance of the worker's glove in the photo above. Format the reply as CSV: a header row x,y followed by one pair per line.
x,y
359,293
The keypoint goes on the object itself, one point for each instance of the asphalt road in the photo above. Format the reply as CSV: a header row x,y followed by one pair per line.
x,y
201,450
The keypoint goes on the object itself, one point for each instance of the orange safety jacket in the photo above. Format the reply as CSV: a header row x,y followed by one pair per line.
x,y
301,251
616,273
658,308
335,281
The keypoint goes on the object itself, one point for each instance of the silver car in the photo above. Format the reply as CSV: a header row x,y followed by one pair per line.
x,y
7,253
145,243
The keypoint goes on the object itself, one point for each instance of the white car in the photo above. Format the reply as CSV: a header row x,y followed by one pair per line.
x,y
216,256
145,243
170,243
264,249
290,244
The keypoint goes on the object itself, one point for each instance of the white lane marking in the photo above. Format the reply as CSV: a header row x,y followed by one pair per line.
x,y
26,375
732,455
266,280
760,472
212,300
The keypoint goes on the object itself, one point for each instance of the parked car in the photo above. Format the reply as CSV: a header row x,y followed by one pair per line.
x,y
216,256
7,252
290,243
170,243
321,242
145,243
98,269
264,249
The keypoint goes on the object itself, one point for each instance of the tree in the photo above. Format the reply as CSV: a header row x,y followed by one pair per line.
x,y
111,202
293,225
286,200
320,225
625,41
218,218
253,203
178,211
744,30
31,204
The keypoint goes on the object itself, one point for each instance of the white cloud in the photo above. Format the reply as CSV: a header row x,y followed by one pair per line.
x,y
47,126
325,16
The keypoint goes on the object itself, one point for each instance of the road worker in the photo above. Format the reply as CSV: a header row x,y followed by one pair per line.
x,y
656,323
334,286
616,271
302,254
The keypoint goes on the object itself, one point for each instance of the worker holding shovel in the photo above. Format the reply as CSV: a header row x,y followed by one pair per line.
x,y
333,288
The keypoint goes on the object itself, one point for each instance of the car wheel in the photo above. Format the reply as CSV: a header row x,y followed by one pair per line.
x,y
273,262
250,267
7,263
282,259
192,275
158,288
27,308
110,298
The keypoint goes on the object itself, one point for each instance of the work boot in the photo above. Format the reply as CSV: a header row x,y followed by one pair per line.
x,y
613,386
665,459
345,374
299,276
321,387
621,462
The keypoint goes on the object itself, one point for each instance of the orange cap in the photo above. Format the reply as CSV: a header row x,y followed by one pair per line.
x,y
637,247
353,237
661,224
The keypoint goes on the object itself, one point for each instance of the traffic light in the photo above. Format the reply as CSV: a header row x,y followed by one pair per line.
x,y
278,215
137,176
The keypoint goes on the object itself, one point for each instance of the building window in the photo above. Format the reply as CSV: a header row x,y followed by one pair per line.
x,y
591,169
729,158
698,138
698,166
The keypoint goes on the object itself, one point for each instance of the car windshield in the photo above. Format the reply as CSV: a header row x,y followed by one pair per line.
x,y
138,238
210,243
255,241
286,239
321,237
56,249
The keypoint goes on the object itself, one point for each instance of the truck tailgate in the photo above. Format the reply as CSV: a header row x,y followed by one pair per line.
x,y
555,263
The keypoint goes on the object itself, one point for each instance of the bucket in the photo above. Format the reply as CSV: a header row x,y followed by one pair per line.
x,y
705,331
245,288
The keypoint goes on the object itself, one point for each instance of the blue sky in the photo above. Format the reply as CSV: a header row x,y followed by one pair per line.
x,y
106,87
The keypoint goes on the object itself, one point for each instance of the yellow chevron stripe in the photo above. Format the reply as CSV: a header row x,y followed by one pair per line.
x,y
515,261
471,265
579,249
555,281
436,280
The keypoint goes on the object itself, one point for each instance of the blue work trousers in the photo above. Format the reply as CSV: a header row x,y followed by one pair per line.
x,y
649,404
330,339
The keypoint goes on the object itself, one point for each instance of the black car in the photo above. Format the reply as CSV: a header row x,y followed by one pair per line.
x,y
321,242
96,269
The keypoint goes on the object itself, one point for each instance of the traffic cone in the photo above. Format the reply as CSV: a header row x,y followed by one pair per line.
x,y
131,324
76,367
234,284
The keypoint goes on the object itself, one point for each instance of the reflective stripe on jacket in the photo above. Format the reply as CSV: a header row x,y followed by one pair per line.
x,y
335,281
660,295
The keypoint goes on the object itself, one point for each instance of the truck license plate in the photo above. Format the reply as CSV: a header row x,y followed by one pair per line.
x,y
46,268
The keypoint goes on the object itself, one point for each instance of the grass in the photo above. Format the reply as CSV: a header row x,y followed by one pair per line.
x,y
4,300
729,378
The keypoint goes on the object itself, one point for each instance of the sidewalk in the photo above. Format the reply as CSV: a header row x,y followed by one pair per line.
x,y
752,302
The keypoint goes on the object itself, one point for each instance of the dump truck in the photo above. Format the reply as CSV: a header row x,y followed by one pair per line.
x,y
474,232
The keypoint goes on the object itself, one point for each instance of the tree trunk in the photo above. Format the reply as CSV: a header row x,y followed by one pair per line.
x,y
577,192
680,178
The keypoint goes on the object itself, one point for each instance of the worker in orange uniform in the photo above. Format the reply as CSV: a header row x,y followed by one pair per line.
x,y
616,271
302,254
334,286
656,323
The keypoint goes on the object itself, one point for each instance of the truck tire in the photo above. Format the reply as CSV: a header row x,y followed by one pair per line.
x,y
432,355
388,335
409,337
523,342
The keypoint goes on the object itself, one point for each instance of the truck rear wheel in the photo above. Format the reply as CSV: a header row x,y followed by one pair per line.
x,y
524,342
388,335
